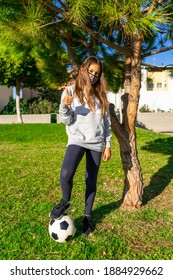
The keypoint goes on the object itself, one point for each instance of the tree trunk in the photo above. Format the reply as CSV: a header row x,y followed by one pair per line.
x,y
133,187
18,110
125,132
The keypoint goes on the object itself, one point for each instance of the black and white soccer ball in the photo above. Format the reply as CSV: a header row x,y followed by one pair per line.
x,y
62,229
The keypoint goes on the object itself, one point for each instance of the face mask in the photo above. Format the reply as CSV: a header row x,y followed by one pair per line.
x,y
93,78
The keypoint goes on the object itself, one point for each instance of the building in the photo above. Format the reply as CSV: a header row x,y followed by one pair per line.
x,y
156,92
7,93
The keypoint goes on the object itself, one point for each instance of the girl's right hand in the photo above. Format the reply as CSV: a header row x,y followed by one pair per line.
x,y
67,99
106,154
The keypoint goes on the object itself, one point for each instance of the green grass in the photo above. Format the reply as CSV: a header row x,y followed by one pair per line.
x,y
30,160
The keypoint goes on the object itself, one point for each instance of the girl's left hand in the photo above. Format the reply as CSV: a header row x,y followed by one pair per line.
x,y
106,154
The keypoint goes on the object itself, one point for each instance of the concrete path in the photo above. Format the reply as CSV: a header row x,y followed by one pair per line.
x,y
157,122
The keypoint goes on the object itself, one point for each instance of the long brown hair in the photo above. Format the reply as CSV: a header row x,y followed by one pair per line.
x,y
84,88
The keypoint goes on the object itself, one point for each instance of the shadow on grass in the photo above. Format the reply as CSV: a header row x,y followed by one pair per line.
x,y
160,180
98,214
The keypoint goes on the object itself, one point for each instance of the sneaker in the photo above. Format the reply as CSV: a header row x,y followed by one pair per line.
x,y
59,209
87,227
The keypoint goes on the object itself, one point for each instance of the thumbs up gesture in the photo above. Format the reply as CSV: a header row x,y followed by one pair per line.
x,y
67,100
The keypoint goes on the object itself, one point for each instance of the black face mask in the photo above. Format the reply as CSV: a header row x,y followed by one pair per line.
x,y
93,78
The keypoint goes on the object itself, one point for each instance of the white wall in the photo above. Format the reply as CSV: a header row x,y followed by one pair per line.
x,y
155,100
5,94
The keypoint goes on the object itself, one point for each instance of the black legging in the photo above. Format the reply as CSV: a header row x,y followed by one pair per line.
x,y
72,158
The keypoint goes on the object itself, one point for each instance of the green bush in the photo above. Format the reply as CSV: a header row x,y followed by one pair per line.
x,y
32,106
10,108
43,106
145,109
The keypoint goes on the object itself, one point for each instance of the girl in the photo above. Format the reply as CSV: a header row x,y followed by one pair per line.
x,y
84,110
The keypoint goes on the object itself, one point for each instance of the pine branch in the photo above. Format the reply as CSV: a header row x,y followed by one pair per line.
x,y
84,43
54,8
101,39
154,5
157,51
50,23
91,32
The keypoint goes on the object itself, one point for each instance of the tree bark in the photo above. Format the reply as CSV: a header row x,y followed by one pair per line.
x,y
18,109
133,183
125,132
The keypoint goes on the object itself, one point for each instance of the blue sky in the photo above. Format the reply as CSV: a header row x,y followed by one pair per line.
x,y
161,59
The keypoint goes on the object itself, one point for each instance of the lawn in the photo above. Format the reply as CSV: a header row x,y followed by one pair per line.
x,y
30,160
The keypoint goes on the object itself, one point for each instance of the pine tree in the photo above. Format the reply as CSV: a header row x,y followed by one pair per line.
x,y
123,26
122,33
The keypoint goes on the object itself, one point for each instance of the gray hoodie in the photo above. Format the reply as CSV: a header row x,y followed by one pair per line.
x,y
84,127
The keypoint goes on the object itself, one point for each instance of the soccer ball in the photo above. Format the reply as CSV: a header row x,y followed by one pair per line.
x,y
62,229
